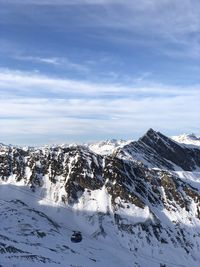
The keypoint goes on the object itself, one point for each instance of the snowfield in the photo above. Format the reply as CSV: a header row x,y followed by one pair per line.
x,y
188,139
107,147
41,233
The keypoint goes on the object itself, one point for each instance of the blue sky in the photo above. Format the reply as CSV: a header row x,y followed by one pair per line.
x,y
86,70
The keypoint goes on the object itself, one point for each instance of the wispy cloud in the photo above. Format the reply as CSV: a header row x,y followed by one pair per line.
x,y
79,107
52,60
55,61
15,82
165,22
77,119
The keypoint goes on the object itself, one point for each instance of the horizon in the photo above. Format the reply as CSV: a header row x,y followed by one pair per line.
x,y
88,70
93,142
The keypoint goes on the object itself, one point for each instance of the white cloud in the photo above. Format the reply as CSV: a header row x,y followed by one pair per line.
x,y
52,61
99,109
56,61
14,82
85,113
96,118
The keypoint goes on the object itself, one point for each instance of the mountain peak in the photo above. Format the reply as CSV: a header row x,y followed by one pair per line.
x,y
151,136
151,132
157,150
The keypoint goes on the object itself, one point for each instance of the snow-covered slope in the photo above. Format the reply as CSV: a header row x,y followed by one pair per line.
x,y
108,146
189,139
138,206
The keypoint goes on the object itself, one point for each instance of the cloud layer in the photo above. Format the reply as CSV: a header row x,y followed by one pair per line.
x,y
81,111
77,70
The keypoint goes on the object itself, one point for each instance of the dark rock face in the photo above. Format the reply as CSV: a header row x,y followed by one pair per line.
x,y
166,148
120,181
157,150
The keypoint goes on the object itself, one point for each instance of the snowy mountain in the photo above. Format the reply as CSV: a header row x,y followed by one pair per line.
x,y
138,205
107,147
189,139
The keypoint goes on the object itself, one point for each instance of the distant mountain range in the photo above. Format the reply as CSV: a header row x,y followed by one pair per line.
x,y
189,139
135,203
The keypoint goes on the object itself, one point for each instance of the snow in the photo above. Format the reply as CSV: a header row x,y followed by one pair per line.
x,y
107,147
188,139
192,178
115,249
132,214
90,252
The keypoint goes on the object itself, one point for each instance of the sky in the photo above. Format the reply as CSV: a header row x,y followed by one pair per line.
x,y
88,70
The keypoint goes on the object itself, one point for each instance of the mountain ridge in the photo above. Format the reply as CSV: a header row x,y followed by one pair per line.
x,y
143,195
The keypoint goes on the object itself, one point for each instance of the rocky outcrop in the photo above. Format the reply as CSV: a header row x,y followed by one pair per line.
x,y
156,150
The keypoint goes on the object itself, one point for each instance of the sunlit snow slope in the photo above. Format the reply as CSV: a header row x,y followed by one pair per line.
x,y
189,139
108,146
